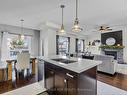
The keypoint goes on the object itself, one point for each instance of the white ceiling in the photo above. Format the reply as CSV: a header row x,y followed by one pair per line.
x,y
91,12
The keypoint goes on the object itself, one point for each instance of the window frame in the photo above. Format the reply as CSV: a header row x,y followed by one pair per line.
x,y
57,43
76,45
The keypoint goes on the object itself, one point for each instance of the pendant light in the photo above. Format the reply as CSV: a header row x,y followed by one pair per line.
x,y
22,35
76,27
62,26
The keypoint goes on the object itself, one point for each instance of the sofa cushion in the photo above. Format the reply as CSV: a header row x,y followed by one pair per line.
x,y
104,58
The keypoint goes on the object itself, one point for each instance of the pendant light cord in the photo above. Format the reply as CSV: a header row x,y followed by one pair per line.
x,y
76,9
62,16
62,6
22,25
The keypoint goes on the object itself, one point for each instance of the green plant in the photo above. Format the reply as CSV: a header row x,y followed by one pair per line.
x,y
20,42
17,44
111,47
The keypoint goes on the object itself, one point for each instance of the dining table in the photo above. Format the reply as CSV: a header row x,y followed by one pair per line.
x,y
12,60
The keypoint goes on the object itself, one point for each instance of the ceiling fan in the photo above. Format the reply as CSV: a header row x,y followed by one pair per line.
x,y
104,28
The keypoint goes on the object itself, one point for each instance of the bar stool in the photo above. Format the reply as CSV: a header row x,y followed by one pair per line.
x,y
3,71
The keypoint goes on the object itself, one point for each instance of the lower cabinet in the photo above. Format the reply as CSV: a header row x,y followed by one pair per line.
x,y
72,86
60,81
60,84
49,81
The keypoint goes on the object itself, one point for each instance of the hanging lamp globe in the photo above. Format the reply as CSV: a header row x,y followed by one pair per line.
x,y
62,29
76,27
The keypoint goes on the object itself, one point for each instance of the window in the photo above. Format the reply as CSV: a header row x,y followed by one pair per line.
x,y
79,45
62,45
17,45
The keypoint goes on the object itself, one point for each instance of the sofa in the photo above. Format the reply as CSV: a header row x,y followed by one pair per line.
x,y
109,65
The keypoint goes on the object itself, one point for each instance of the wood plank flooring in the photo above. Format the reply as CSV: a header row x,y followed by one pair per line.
x,y
11,85
17,83
118,80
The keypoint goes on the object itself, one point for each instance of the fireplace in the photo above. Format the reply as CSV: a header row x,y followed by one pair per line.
x,y
117,53
112,53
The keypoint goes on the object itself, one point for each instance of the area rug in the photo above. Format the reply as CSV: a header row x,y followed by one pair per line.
x,y
105,89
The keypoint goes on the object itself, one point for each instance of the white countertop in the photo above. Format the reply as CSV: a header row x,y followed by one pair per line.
x,y
79,66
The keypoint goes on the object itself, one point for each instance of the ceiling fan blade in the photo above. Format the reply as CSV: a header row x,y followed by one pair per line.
x,y
110,29
105,30
101,29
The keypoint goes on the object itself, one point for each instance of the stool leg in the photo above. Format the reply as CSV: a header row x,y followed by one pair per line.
x,y
6,74
3,74
17,74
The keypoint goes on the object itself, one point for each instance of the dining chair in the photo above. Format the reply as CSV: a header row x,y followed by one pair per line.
x,y
23,63
3,71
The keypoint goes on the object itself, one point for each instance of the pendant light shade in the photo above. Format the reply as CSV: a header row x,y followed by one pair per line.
x,y
62,29
62,26
76,27
22,37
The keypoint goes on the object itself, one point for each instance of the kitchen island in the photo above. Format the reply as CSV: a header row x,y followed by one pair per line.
x,y
70,76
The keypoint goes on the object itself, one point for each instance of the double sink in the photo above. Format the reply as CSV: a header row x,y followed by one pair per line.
x,y
66,61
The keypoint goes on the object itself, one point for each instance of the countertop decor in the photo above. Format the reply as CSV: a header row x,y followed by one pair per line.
x,y
111,47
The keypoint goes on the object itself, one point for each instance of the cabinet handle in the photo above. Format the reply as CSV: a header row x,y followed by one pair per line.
x,y
69,75
65,80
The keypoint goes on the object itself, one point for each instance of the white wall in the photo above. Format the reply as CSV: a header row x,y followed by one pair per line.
x,y
93,49
35,43
125,43
47,42
26,31
72,44
51,42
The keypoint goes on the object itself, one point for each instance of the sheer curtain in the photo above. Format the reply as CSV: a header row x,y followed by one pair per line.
x,y
4,46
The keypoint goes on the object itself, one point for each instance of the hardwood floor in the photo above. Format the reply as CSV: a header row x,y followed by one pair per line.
x,y
118,80
17,83
11,85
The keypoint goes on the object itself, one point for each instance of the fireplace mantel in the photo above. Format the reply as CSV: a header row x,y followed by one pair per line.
x,y
112,49
118,56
